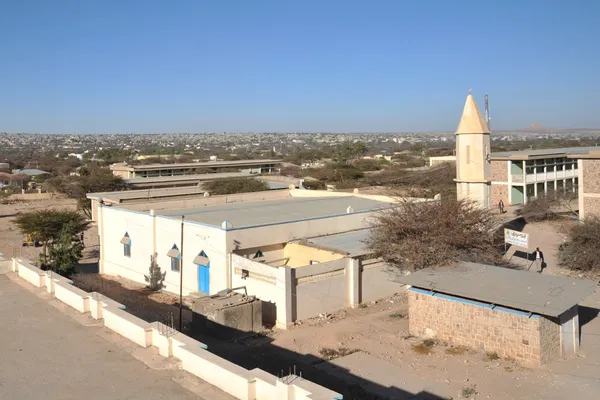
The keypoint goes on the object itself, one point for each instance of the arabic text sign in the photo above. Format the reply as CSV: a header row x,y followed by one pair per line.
x,y
516,238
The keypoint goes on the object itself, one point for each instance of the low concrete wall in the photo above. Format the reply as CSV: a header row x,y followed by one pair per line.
x,y
33,196
71,295
129,326
196,359
30,272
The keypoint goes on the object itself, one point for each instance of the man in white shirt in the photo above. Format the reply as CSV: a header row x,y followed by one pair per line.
x,y
538,258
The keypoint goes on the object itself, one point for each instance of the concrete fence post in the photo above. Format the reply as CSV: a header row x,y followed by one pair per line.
x,y
284,283
353,282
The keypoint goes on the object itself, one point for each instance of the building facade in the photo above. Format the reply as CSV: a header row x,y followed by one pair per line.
x,y
473,169
588,166
254,167
202,245
518,176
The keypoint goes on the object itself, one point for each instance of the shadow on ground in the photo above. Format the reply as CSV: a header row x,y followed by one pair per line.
x,y
247,349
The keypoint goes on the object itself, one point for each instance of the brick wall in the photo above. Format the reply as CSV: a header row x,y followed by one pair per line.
x,y
591,176
591,206
529,340
499,171
499,192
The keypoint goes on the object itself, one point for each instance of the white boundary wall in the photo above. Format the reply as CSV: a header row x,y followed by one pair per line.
x,y
196,359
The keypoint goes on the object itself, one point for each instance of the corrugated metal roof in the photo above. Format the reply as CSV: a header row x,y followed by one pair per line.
x,y
520,290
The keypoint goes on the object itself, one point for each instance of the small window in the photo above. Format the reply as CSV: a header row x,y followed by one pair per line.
x,y
127,250
175,258
175,264
468,156
259,254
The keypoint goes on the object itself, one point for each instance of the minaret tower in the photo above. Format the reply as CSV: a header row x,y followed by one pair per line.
x,y
473,164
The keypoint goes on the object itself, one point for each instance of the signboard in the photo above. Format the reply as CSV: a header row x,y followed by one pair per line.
x,y
516,238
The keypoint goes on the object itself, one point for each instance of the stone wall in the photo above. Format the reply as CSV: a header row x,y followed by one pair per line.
x,y
499,171
591,173
591,205
530,340
549,339
499,192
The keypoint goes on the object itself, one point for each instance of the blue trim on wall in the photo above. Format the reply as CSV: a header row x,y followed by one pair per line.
x,y
473,303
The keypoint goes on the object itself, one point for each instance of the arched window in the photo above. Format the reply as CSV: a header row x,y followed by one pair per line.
x,y
175,258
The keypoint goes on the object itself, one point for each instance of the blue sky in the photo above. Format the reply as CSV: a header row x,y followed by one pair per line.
x,y
291,65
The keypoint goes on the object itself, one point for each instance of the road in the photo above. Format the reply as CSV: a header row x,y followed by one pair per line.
x,y
47,354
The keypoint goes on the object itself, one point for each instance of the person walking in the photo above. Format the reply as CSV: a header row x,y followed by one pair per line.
x,y
538,260
501,207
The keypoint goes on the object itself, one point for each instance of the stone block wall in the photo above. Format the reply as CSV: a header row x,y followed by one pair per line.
x,y
499,192
591,206
591,176
499,171
530,340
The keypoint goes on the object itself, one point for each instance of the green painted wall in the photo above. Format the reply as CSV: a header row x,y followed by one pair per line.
x,y
516,167
517,195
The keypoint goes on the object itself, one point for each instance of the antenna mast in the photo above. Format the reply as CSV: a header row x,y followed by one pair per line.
x,y
487,112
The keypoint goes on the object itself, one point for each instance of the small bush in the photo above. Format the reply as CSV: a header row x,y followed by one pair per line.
x,y
457,350
468,392
397,315
492,355
425,347
329,353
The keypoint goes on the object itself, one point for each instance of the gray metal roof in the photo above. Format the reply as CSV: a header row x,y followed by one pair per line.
x,y
275,211
520,290
525,154
350,243
208,164
195,177
30,172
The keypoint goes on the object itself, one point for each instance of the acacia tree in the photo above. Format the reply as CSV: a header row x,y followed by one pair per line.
x,y
47,226
234,185
418,235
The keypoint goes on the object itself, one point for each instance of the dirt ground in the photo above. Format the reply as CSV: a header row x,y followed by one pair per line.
x,y
379,330
11,239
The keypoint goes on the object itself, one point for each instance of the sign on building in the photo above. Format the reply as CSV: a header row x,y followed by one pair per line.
x,y
516,238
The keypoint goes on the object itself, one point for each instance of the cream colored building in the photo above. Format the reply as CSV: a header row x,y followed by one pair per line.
x,y
225,242
473,168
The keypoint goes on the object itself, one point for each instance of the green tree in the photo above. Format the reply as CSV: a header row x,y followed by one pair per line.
x,y
235,185
348,151
66,251
47,226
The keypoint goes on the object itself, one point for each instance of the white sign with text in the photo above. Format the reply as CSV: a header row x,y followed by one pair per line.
x,y
516,238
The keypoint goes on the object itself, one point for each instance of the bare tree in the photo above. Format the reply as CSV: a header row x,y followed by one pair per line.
x,y
580,251
418,235
549,206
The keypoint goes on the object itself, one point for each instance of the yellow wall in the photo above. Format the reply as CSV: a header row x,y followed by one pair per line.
x,y
300,255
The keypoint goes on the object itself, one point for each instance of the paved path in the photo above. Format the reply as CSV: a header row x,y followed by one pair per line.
x,y
46,354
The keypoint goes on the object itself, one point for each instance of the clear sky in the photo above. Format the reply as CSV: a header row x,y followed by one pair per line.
x,y
295,65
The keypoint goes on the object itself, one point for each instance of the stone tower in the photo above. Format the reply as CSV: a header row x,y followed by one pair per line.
x,y
473,166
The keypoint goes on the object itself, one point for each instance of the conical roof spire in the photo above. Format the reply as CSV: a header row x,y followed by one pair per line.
x,y
471,121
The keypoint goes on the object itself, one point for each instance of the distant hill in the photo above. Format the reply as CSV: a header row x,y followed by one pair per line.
x,y
535,128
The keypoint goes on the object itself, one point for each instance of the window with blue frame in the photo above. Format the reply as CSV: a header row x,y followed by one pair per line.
x,y
126,242
175,256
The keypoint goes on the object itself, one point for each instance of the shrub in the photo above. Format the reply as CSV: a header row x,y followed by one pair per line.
x,y
580,251
235,185
418,235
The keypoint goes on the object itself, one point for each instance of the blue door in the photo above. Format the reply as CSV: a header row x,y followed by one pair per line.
x,y
204,275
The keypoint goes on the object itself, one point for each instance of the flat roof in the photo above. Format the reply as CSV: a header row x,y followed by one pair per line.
x,y
540,153
291,209
594,153
351,243
144,194
234,163
521,290
183,178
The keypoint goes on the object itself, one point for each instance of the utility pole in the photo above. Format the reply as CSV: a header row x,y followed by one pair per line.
x,y
181,278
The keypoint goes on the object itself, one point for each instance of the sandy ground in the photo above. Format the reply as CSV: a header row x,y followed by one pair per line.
x,y
381,330
11,239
